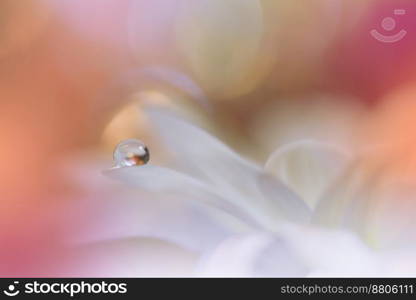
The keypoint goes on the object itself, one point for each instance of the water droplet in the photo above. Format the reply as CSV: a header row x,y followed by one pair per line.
x,y
131,152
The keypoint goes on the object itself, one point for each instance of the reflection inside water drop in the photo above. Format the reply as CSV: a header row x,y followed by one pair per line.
x,y
131,152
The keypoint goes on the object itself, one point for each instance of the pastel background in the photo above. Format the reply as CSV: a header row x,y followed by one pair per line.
x,y
304,77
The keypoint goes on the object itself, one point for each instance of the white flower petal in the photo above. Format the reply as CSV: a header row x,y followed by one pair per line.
x,y
348,202
124,214
293,251
282,201
251,256
109,210
154,178
242,182
135,257
391,216
329,253
202,156
307,167
198,150
163,180
372,200
397,263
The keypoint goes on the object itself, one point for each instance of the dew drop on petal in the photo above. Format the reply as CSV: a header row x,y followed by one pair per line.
x,y
131,152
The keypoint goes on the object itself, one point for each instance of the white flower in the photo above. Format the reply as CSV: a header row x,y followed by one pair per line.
x,y
214,213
